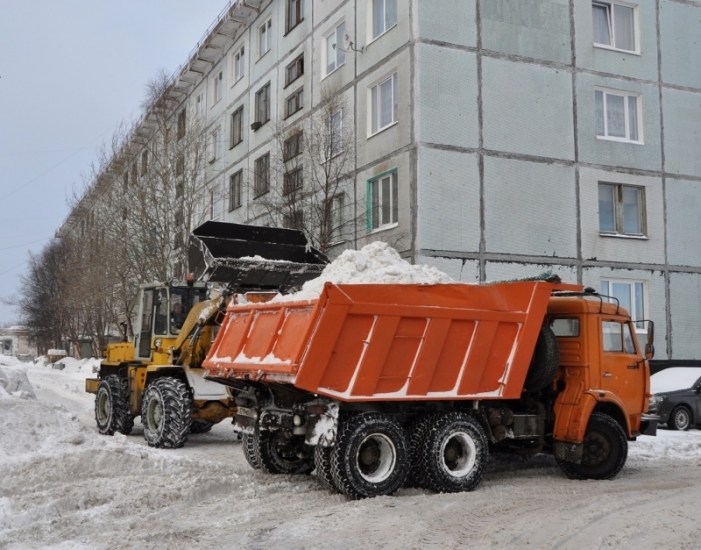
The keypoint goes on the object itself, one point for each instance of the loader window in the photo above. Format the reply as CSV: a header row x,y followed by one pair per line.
x,y
161,325
146,324
181,302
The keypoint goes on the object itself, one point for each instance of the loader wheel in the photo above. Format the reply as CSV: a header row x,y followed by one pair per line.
x,y
112,406
200,426
249,443
166,413
322,461
546,359
371,456
605,450
454,453
281,452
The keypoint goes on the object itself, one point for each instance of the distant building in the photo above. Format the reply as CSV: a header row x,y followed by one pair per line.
x,y
494,138
14,341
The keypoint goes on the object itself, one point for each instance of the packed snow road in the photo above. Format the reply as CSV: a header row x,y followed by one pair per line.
x,y
63,486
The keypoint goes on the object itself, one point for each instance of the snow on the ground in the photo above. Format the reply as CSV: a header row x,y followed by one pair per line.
x,y
674,378
63,486
375,263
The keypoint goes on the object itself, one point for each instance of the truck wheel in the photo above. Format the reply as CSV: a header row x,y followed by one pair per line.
x,y
546,360
680,419
371,456
112,406
249,444
166,413
417,433
200,426
281,452
605,450
322,461
455,452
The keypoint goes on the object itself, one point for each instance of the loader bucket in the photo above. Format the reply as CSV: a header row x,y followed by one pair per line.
x,y
250,258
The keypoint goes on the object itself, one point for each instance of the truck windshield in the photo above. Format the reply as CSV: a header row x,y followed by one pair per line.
x,y
182,301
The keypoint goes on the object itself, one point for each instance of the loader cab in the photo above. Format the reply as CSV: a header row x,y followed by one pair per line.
x,y
162,311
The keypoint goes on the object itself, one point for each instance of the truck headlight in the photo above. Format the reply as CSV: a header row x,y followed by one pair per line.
x,y
656,399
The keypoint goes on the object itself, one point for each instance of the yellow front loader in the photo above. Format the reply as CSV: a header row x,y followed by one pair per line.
x,y
159,375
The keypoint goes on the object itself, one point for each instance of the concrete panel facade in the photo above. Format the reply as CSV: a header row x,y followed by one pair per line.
x,y
448,201
505,271
539,29
520,198
681,41
684,226
527,109
448,96
685,304
682,131
600,247
451,21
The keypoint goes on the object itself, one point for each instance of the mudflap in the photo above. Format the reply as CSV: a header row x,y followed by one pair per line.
x,y
648,427
568,452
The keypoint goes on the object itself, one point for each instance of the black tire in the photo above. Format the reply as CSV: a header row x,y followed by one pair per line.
x,y
249,443
546,360
281,452
200,426
322,461
417,431
112,406
605,450
679,419
454,453
371,456
166,412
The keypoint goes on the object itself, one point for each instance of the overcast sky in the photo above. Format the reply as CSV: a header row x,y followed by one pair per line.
x,y
70,71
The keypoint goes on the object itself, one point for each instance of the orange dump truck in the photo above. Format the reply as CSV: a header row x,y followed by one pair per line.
x,y
377,386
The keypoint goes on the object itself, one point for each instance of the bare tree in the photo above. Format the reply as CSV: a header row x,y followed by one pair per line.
x,y
306,182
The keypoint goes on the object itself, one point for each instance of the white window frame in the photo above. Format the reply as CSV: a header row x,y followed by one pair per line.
x,y
636,25
619,230
639,114
331,130
217,87
635,315
338,52
298,99
393,177
336,220
375,104
265,38
216,145
371,20
235,184
239,64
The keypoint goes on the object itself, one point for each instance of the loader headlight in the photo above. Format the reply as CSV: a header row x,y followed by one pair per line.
x,y
157,342
297,420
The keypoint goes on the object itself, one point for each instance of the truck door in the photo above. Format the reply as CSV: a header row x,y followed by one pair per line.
x,y
622,371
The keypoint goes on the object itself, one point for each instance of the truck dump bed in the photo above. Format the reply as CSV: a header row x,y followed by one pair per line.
x,y
389,342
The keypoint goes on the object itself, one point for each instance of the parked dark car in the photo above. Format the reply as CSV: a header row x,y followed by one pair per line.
x,y
676,399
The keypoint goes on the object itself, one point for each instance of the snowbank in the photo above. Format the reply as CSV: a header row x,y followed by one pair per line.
x,y
375,263
83,366
14,383
8,361
675,378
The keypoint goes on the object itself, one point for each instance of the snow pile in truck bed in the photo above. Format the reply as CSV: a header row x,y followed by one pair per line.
x,y
375,263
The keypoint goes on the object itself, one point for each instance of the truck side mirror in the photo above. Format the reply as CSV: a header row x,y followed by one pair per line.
x,y
650,346
649,351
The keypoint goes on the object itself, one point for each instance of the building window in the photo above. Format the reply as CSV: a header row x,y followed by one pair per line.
x,y
334,135
235,190
216,145
383,201
263,105
293,220
294,70
239,64
180,165
292,146
292,181
265,37
384,16
217,87
261,179
295,13
383,100
144,163
199,104
618,116
615,25
335,220
125,180
237,127
181,124
134,173
335,56
630,295
621,209
295,102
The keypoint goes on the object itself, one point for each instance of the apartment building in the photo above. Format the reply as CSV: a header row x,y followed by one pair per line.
x,y
493,138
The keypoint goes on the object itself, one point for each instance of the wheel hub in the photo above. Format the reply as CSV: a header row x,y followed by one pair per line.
x,y
104,407
155,415
376,458
597,448
459,454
